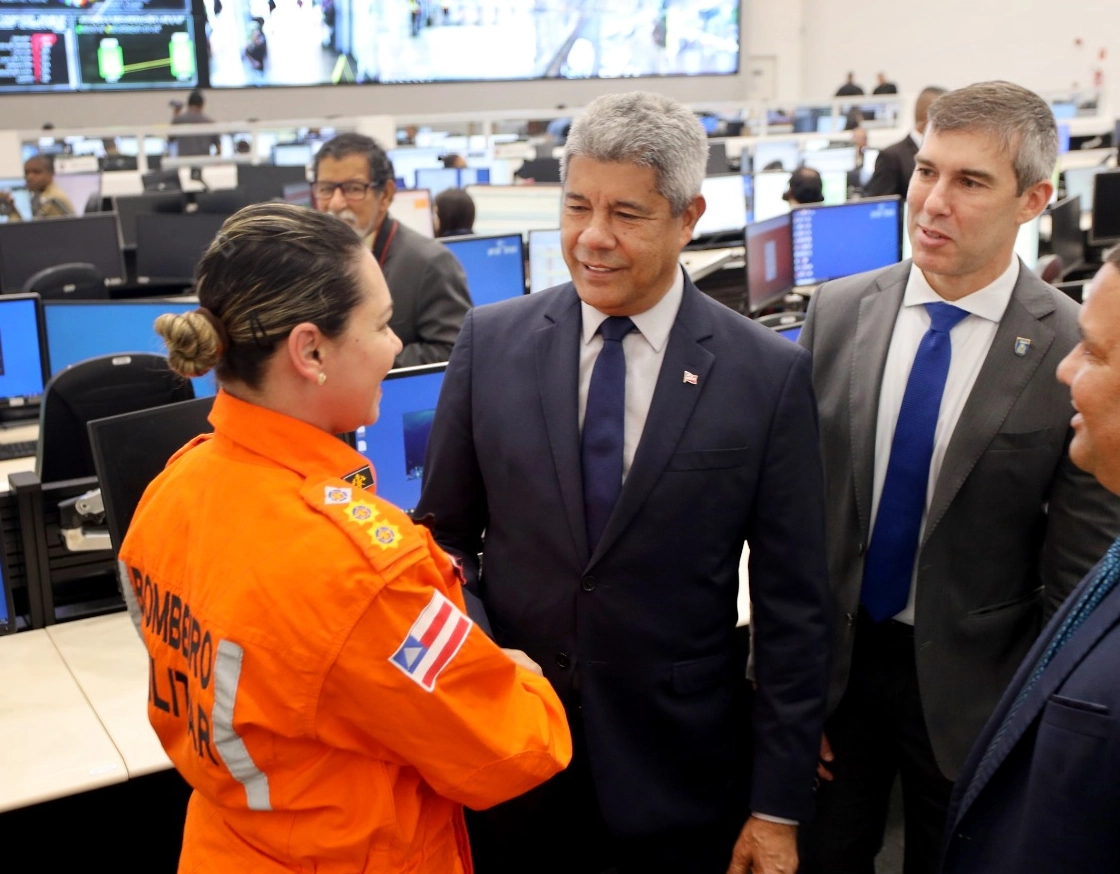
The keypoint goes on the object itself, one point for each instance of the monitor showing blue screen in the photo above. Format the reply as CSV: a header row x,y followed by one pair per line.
x,y
396,443
790,332
495,266
21,356
834,241
546,260
7,614
77,331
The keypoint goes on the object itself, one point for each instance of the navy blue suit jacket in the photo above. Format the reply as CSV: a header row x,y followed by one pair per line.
x,y
643,626
1047,798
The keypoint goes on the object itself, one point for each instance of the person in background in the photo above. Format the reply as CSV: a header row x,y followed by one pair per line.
x,y
849,88
47,199
354,181
317,683
454,213
884,86
201,144
454,161
805,187
1043,781
895,164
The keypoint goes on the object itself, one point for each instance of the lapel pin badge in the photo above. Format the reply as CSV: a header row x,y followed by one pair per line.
x,y
1022,344
690,377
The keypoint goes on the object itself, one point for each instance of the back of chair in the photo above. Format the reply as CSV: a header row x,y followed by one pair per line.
x,y
75,281
93,389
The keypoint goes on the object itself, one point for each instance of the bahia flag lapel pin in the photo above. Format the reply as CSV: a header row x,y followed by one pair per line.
x,y
690,377
1022,345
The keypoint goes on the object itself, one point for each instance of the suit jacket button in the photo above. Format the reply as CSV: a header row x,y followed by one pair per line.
x,y
850,618
562,660
588,584
860,547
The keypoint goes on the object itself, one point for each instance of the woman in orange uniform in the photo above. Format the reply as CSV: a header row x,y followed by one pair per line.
x,y
313,674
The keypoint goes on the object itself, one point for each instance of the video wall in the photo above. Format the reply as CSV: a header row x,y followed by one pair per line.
x,y
98,45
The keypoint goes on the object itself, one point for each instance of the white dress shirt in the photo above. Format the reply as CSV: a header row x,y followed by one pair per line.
x,y
644,349
971,339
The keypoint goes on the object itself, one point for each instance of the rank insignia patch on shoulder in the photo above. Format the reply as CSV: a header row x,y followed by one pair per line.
x,y
337,495
362,478
381,531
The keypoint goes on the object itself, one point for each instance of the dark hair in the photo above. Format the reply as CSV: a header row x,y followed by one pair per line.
x,y
196,98
45,158
271,267
453,161
805,186
344,145
455,211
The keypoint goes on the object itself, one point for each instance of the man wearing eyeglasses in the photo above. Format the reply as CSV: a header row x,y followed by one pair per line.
x,y
354,181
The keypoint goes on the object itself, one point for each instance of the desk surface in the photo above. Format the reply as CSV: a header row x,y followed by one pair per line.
x,y
107,658
53,743
19,433
701,262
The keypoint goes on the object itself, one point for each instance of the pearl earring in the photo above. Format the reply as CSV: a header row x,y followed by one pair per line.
x,y
322,377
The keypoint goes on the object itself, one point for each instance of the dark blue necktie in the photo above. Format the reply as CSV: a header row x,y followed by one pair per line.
x,y
894,540
603,428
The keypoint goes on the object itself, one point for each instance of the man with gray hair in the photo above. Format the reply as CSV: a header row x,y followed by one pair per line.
x,y
608,446
956,520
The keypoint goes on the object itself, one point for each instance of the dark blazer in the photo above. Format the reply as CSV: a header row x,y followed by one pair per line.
x,y
893,169
1012,524
1047,797
643,626
430,297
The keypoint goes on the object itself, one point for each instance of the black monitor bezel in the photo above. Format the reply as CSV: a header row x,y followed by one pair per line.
x,y
49,226
471,237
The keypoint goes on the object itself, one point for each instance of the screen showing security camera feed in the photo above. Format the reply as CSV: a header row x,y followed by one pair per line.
x,y
94,45
317,42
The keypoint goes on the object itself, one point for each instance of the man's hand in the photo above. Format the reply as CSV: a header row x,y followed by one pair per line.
x,y
522,660
826,756
765,847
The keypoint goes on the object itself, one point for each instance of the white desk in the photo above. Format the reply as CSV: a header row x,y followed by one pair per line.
x,y
53,743
701,262
17,434
107,658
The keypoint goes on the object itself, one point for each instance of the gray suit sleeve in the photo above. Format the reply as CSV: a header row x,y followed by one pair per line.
x,y
442,302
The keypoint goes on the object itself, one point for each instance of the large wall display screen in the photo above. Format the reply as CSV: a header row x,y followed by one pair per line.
x,y
76,45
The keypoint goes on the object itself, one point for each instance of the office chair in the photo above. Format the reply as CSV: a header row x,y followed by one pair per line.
x,y
162,180
778,321
93,389
75,281
1049,268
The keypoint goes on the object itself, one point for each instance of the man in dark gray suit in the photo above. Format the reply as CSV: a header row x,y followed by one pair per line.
x,y
611,530
895,164
354,180
956,520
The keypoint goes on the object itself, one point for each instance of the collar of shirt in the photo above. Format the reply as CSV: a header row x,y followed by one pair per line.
x,y
988,303
654,324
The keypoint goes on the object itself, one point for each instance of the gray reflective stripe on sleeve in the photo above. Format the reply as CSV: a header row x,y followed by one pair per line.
x,y
227,674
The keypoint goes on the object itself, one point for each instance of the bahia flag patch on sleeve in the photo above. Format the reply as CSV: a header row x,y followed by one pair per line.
x,y
432,642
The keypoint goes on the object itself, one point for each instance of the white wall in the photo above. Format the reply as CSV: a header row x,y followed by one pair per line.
x,y
954,42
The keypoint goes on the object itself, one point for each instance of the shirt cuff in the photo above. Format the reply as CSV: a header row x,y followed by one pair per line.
x,y
765,817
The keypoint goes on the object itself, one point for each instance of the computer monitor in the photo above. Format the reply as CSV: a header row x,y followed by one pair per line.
x,y
1066,239
412,207
395,445
834,186
23,369
726,210
437,179
495,266
7,604
130,207
830,242
1063,138
546,260
791,332
768,190
76,331
130,450
169,247
261,183
870,156
768,153
515,209
407,160
79,187
1079,183
1105,229
292,154
28,247
718,164
842,159
21,198
769,261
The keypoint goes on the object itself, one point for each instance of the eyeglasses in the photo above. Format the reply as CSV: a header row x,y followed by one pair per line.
x,y
352,191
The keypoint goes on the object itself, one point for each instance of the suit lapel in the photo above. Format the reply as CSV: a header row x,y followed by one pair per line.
x,y
669,411
557,362
874,328
1002,379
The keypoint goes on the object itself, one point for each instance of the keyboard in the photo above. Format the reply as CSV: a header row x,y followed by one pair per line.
x,y
18,449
